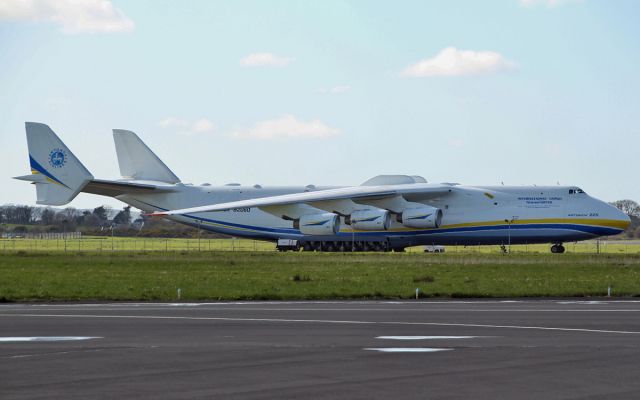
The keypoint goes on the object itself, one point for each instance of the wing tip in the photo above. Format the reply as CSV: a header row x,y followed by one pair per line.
x,y
157,214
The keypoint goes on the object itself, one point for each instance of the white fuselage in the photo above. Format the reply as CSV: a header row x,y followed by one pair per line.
x,y
471,215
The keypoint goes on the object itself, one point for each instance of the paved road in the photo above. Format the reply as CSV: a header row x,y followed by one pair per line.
x,y
322,350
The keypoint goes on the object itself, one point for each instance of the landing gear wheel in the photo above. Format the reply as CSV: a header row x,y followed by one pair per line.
x,y
557,249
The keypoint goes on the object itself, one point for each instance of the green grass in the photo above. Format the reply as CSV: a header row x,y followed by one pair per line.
x,y
269,275
119,244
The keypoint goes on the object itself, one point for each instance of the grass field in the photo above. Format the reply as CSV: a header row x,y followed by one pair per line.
x,y
119,244
26,275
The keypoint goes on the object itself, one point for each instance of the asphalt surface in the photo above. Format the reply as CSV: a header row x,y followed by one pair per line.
x,y
322,350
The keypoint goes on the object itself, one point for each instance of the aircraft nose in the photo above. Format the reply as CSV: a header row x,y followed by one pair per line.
x,y
623,218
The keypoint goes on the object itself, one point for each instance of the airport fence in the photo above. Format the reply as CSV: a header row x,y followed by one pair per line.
x,y
137,244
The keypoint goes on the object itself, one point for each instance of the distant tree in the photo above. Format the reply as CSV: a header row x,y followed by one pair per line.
x,y
48,216
70,213
123,217
24,214
87,219
628,207
36,214
101,213
66,220
18,215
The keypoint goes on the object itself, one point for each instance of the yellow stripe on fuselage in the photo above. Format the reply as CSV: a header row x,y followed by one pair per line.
x,y
608,223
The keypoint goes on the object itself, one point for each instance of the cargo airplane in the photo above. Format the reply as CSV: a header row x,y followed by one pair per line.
x,y
387,212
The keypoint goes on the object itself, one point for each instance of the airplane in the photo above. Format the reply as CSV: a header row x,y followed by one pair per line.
x,y
387,212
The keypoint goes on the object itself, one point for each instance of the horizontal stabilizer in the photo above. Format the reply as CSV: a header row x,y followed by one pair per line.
x,y
137,161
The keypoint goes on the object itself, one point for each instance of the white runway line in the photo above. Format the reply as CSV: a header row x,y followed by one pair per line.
x,y
321,321
425,337
406,349
9,339
435,310
425,304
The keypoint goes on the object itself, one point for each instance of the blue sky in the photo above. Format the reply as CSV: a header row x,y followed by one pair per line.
x,y
330,92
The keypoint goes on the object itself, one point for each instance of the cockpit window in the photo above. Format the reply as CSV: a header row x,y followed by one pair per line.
x,y
576,190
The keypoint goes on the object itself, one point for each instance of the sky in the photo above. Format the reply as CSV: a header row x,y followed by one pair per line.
x,y
330,92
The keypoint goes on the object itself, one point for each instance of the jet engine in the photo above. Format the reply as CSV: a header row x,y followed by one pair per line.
x,y
318,224
421,217
370,220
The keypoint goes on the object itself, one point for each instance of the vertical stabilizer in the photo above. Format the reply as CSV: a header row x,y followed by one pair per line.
x,y
58,175
137,161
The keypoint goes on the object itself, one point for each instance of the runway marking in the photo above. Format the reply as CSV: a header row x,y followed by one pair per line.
x,y
421,303
406,349
55,353
322,321
10,339
425,337
448,310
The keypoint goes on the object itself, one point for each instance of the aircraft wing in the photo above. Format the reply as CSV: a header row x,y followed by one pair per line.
x,y
378,195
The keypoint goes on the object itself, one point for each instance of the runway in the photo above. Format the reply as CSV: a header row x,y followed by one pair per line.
x,y
570,349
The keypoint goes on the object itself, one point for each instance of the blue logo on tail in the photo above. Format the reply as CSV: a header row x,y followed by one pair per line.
x,y
57,158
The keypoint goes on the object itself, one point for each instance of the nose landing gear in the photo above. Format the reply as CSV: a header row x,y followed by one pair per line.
x,y
557,248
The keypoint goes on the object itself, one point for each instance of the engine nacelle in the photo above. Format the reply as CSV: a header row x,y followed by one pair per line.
x,y
421,217
318,224
370,220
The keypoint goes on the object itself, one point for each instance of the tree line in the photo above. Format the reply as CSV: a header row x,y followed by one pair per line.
x,y
101,221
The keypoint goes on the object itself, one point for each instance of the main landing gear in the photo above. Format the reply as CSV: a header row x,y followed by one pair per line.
x,y
345,246
557,248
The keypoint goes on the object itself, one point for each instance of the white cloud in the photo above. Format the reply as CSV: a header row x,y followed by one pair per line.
x,y
335,90
185,127
173,122
454,62
287,126
203,125
548,3
74,16
265,60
